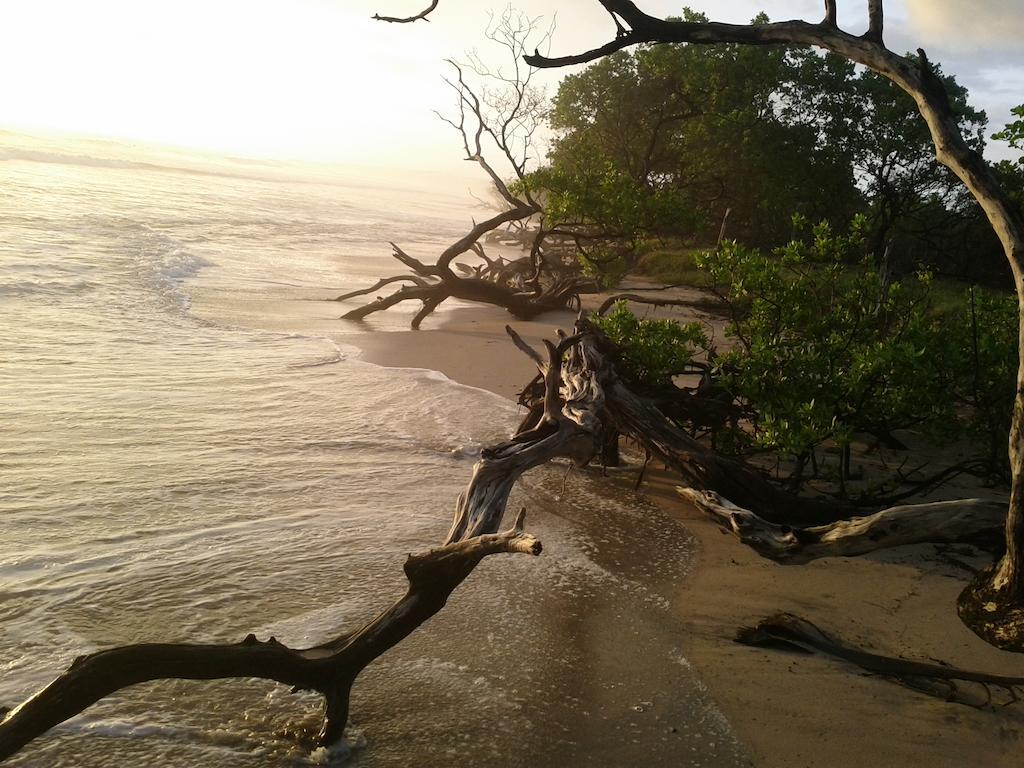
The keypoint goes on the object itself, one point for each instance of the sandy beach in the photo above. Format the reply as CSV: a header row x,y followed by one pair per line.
x,y
787,710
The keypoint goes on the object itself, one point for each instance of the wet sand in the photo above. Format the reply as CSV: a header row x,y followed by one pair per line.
x,y
787,710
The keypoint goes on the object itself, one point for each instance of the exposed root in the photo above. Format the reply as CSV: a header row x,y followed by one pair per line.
x,y
787,631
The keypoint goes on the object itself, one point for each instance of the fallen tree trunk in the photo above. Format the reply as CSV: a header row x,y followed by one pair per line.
x,y
933,522
791,632
433,284
570,431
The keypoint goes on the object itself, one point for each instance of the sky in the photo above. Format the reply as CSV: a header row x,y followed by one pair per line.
x,y
319,80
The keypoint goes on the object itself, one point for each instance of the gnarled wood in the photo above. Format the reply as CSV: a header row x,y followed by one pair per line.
x,y
526,287
933,522
421,16
582,400
332,668
329,669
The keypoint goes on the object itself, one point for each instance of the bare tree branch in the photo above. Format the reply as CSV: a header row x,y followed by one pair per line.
x,y
875,21
408,19
830,13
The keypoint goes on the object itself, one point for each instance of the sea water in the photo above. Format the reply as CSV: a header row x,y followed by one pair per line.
x,y
170,473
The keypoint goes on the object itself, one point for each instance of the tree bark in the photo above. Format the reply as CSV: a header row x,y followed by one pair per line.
x,y
933,522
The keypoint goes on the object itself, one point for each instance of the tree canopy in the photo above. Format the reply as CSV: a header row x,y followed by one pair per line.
x,y
668,140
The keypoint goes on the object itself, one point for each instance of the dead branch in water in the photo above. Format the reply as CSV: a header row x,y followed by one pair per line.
x,y
570,426
577,402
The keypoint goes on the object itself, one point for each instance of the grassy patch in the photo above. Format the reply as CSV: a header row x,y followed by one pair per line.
x,y
672,264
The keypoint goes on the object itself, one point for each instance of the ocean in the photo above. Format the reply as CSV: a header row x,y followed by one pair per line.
x,y
172,468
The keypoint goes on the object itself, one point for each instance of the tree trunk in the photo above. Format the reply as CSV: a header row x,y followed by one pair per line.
x,y
993,606
933,522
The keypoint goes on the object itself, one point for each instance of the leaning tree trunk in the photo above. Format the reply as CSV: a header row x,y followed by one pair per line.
x,y
993,605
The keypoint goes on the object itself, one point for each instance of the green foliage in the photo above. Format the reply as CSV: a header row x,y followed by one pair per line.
x,y
653,351
1013,133
822,350
698,130
672,263
1011,172
664,140
604,197
976,353
825,346
606,264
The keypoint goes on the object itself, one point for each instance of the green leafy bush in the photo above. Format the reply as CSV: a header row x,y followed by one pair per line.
x,y
823,350
976,350
653,351
826,346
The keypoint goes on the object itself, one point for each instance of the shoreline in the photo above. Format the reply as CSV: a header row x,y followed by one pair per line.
x,y
786,709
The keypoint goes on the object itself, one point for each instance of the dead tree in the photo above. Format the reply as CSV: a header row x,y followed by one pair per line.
x,y
992,605
503,110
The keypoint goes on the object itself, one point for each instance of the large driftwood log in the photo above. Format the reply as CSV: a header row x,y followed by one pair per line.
x,y
933,522
570,429
794,633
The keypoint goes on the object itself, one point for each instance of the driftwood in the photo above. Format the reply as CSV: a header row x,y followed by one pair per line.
x,y
503,113
499,282
993,605
794,633
933,522
581,402
569,429
422,15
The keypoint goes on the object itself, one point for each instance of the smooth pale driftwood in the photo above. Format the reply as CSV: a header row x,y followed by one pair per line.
x,y
932,522
940,680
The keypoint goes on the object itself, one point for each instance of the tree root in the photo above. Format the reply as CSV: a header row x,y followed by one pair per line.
x,y
995,619
784,630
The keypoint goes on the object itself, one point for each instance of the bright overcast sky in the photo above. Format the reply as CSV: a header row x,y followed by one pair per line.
x,y
318,80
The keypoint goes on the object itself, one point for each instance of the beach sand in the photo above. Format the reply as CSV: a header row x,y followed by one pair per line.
x,y
788,710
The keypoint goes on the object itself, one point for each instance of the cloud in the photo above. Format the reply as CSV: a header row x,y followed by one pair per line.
x,y
968,24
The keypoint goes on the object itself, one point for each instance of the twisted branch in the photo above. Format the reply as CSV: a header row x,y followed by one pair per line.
x,y
408,19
